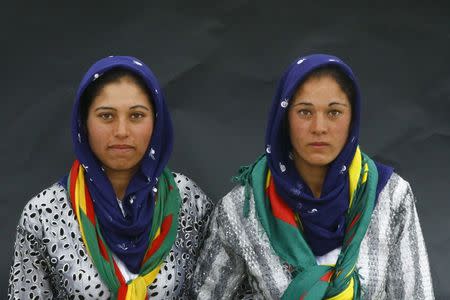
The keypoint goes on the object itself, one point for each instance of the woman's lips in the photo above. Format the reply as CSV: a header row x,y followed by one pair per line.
x,y
319,144
121,148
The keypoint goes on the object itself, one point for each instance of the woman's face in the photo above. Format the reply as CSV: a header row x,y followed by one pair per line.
x,y
319,119
120,125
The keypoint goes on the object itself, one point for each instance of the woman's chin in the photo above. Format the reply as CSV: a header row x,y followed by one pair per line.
x,y
319,160
120,166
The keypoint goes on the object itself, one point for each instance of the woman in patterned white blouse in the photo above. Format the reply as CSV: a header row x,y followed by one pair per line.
x,y
120,225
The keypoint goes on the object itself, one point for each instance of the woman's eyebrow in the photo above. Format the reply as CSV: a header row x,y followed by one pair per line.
x,y
310,104
303,103
105,107
132,107
139,106
337,103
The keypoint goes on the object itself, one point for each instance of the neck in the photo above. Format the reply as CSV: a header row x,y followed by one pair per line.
x,y
314,176
119,181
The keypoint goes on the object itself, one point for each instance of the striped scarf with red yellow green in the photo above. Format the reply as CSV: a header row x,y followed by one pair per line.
x,y
283,227
162,235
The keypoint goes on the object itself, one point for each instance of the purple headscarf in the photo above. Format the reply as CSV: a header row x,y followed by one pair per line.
x,y
323,219
127,237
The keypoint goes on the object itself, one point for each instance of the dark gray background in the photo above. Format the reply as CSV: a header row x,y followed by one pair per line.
x,y
219,63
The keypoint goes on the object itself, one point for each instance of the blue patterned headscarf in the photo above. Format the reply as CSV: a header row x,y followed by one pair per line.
x,y
323,219
128,236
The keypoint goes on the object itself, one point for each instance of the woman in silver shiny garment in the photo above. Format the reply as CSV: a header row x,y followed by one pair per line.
x,y
315,217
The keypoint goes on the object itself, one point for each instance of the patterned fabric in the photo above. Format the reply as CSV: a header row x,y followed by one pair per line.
x,y
139,210
51,260
162,235
239,262
279,221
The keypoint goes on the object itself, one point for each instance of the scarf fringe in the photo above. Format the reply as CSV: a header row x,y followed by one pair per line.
x,y
244,177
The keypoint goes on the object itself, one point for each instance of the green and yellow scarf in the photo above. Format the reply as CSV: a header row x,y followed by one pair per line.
x,y
162,235
283,227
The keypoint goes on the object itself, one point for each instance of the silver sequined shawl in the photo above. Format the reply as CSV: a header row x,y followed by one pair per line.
x,y
238,262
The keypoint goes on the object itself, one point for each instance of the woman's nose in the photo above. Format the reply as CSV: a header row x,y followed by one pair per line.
x,y
122,130
319,124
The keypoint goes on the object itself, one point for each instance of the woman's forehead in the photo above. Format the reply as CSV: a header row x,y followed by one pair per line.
x,y
123,93
323,89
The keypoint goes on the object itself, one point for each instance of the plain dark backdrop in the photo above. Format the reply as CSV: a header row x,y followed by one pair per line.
x,y
219,62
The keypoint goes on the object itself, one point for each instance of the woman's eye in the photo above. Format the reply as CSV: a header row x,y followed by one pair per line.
x,y
334,113
304,113
106,116
137,115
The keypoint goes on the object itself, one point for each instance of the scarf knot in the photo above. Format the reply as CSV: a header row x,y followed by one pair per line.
x,y
136,289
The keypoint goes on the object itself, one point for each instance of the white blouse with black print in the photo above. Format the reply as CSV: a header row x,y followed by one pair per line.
x,y
51,262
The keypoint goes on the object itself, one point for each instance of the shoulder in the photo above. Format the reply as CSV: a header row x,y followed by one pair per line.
x,y
44,209
229,210
396,196
192,196
235,198
396,189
